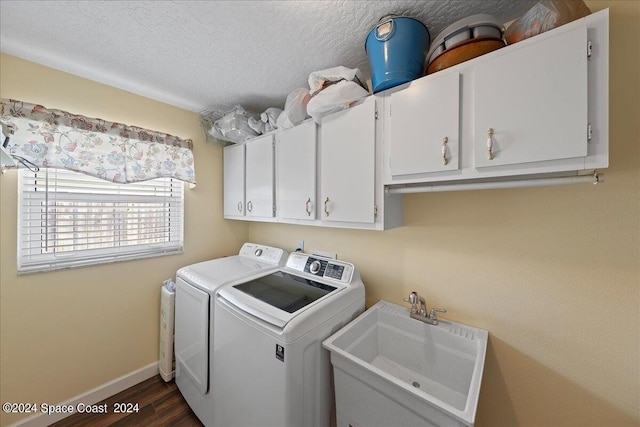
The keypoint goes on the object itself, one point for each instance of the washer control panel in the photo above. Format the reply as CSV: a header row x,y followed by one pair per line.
x,y
315,266
321,267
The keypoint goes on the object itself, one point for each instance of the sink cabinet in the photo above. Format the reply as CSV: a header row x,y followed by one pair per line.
x,y
392,370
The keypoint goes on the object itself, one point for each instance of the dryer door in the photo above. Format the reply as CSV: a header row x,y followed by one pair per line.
x,y
192,334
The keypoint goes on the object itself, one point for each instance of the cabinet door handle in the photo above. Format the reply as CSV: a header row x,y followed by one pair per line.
x,y
306,206
445,141
490,143
325,207
239,206
249,206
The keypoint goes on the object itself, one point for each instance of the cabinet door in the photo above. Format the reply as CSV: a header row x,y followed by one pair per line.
x,y
233,165
425,126
259,176
296,167
535,101
347,147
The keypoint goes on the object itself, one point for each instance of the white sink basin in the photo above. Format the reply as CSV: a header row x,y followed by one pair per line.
x,y
390,369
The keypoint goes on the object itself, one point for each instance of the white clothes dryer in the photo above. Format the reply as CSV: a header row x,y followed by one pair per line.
x,y
196,286
269,366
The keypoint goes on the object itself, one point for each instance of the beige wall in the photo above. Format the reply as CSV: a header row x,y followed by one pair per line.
x,y
552,273
64,333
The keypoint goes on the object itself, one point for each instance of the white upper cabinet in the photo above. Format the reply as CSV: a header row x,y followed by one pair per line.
x,y
536,108
533,110
260,199
296,172
534,102
424,122
234,181
347,165
325,175
249,179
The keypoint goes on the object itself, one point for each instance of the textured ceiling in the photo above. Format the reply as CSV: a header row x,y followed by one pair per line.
x,y
214,54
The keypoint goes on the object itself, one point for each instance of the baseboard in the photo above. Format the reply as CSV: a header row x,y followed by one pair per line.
x,y
94,396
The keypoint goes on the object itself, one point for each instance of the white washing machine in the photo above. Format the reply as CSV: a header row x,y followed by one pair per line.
x,y
196,286
269,366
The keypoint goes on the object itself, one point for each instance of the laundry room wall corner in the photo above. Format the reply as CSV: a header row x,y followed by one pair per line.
x,y
67,332
551,272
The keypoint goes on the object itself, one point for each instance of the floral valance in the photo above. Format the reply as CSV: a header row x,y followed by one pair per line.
x,y
115,152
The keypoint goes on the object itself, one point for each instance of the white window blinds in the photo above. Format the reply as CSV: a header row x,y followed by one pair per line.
x,y
69,219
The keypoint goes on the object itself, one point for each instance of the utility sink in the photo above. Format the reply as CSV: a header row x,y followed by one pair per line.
x,y
392,370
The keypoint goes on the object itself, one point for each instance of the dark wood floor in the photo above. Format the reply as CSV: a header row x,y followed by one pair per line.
x,y
159,403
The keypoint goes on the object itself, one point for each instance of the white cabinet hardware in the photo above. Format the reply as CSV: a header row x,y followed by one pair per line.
x,y
445,141
490,144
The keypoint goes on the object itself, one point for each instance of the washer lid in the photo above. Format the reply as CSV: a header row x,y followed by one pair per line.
x,y
278,297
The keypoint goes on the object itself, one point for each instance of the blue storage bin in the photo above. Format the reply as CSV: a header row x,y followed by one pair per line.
x,y
396,48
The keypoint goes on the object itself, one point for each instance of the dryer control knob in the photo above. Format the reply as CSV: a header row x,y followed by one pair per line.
x,y
258,252
314,267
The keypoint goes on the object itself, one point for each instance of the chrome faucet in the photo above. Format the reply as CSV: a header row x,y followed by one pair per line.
x,y
421,313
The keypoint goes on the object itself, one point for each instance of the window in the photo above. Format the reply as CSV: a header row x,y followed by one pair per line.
x,y
68,219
